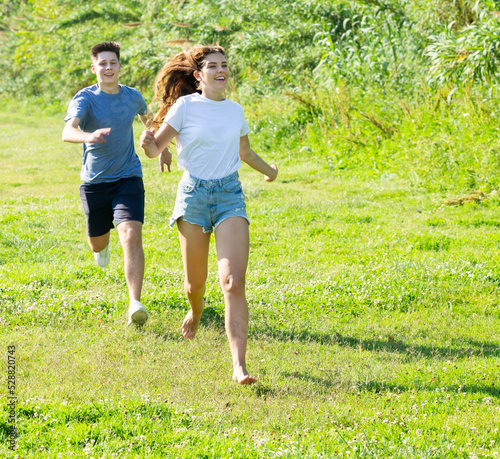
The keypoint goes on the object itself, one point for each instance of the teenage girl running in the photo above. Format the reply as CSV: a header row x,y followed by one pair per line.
x,y
211,139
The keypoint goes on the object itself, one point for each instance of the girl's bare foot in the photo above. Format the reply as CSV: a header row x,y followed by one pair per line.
x,y
190,325
241,376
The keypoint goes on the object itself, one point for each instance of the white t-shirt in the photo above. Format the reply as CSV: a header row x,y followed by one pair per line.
x,y
209,131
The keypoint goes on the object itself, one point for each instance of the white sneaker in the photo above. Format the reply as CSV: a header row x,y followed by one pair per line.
x,y
102,258
137,313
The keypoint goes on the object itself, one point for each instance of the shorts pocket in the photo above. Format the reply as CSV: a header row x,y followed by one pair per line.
x,y
232,187
186,187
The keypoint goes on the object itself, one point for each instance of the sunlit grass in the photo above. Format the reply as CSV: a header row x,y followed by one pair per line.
x,y
374,326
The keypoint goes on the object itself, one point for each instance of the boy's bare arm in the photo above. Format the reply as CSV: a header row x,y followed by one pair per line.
x,y
72,134
146,117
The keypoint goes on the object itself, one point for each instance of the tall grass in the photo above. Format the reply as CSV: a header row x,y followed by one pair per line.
x,y
272,45
443,142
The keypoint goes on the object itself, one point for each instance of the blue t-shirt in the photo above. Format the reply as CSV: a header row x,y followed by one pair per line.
x,y
116,158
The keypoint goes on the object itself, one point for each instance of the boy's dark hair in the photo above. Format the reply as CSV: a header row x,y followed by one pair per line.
x,y
112,46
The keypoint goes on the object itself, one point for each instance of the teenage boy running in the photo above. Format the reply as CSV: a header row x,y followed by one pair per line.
x,y
101,117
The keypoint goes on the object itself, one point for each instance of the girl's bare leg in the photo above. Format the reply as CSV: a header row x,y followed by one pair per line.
x,y
232,240
194,247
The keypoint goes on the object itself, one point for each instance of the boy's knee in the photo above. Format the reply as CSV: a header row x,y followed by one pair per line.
x,y
130,233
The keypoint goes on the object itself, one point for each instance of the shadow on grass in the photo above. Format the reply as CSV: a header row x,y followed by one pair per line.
x,y
415,351
381,388
330,380
263,391
211,318
334,381
167,335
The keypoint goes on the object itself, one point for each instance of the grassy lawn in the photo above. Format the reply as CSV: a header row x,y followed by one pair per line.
x,y
374,319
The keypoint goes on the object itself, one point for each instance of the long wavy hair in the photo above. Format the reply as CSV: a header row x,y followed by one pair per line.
x,y
176,78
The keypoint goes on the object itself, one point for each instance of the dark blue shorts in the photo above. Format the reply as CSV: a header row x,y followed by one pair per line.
x,y
118,201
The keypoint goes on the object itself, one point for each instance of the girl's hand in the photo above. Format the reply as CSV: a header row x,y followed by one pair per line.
x,y
165,160
147,138
271,177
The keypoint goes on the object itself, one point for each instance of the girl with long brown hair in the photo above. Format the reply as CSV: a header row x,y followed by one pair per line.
x,y
211,140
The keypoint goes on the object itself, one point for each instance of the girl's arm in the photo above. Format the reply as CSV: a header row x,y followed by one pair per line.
x,y
156,144
249,156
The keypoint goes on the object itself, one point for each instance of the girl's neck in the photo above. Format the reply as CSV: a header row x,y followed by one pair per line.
x,y
216,95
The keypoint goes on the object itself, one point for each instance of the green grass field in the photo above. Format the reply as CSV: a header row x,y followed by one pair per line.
x,y
374,319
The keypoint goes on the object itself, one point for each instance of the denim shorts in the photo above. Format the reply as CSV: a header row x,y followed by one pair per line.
x,y
207,203
120,201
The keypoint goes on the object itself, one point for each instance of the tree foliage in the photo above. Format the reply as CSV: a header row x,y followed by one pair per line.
x,y
273,46
469,56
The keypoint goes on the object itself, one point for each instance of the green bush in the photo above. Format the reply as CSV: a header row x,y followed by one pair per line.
x,y
364,87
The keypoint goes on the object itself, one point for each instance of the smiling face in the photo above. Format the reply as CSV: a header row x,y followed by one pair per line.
x,y
106,67
213,76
